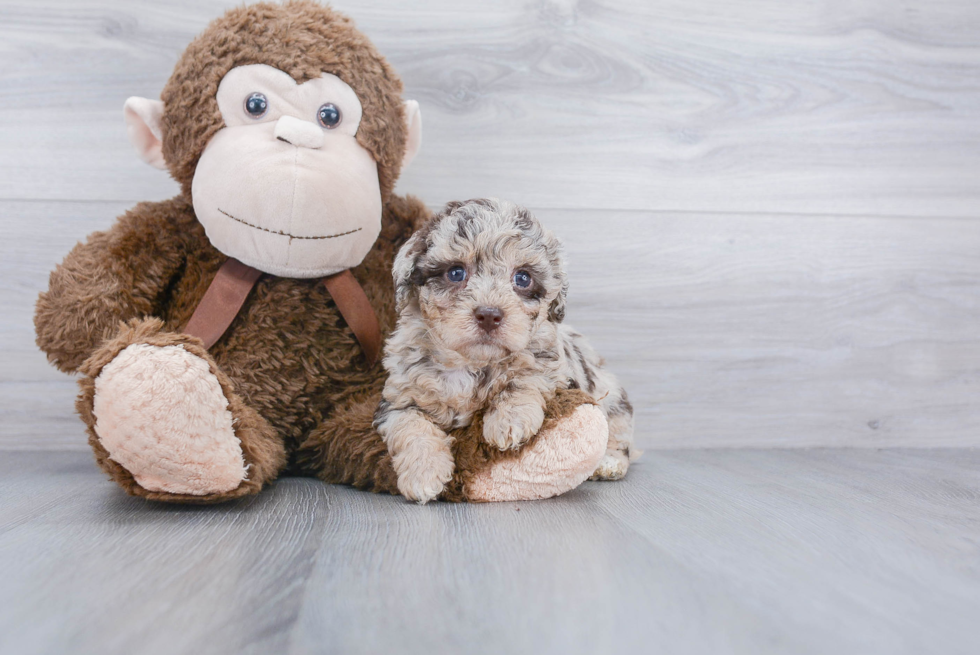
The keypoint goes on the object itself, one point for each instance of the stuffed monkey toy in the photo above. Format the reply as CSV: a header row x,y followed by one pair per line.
x,y
230,335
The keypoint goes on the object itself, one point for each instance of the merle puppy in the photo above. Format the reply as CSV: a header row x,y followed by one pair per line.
x,y
480,293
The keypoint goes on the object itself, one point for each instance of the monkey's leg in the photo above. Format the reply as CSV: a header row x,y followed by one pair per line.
x,y
560,457
165,423
346,449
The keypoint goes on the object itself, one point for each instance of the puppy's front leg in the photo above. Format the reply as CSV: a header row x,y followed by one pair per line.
x,y
419,451
515,415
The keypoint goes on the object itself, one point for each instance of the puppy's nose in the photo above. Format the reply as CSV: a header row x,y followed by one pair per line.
x,y
488,318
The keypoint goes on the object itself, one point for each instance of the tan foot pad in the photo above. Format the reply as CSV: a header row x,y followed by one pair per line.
x,y
161,414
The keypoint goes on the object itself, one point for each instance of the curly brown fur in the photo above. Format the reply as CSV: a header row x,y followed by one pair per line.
x,y
481,293
121,274
338,452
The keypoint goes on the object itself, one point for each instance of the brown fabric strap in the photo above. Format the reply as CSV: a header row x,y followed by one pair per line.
x,y
234,281
356,309
222,301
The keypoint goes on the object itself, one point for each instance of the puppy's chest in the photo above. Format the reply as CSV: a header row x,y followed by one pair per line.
x,y
460,383
458,394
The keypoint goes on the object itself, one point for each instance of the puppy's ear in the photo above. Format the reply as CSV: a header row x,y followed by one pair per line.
x,y
556,311
403,270
556,253
450,207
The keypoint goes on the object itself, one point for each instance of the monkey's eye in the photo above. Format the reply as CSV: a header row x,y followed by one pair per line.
x,y
456,274
329,115
256,105
522,279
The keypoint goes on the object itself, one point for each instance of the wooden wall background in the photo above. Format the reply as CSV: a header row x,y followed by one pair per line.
x,y
771,208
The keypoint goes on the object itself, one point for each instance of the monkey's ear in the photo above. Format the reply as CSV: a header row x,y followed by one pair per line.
x,y
143,124
413,121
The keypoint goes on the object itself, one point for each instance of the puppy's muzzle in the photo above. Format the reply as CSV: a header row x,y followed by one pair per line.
x,y
488,318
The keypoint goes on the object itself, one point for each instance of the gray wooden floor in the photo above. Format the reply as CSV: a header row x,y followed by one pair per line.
x,y
724,551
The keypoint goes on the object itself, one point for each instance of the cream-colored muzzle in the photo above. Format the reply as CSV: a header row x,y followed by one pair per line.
x,y
284,209
302,134
276,188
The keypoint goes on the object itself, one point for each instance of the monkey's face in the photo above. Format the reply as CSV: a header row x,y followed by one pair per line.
x,y
288,159
285,187
485,275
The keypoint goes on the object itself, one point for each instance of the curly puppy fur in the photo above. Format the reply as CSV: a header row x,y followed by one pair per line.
x,y
480,294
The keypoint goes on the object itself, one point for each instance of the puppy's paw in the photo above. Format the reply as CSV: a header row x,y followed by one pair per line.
x,y
422,478
612,466
510,426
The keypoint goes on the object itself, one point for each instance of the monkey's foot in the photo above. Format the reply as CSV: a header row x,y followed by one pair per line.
x,y
161,414
561,457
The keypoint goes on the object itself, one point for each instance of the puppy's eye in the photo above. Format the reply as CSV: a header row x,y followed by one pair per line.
x,y
456,274
522,279
329,115
256,105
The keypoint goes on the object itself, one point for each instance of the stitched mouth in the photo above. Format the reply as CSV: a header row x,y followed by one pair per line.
x,y
287,234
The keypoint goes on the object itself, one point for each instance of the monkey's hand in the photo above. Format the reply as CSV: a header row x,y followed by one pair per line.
x,y
113,277
511,422
419,451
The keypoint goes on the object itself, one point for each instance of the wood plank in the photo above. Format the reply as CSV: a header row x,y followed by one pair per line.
x,y
727,330
112,574
820,551
828,544
864,108
749,330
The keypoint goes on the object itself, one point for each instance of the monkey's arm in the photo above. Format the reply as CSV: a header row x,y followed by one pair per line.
x,y
114,276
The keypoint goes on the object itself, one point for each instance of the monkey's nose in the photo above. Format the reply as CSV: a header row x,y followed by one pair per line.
x,y
488,318
302,134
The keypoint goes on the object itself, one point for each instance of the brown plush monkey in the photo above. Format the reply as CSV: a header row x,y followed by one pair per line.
x,y
286,131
